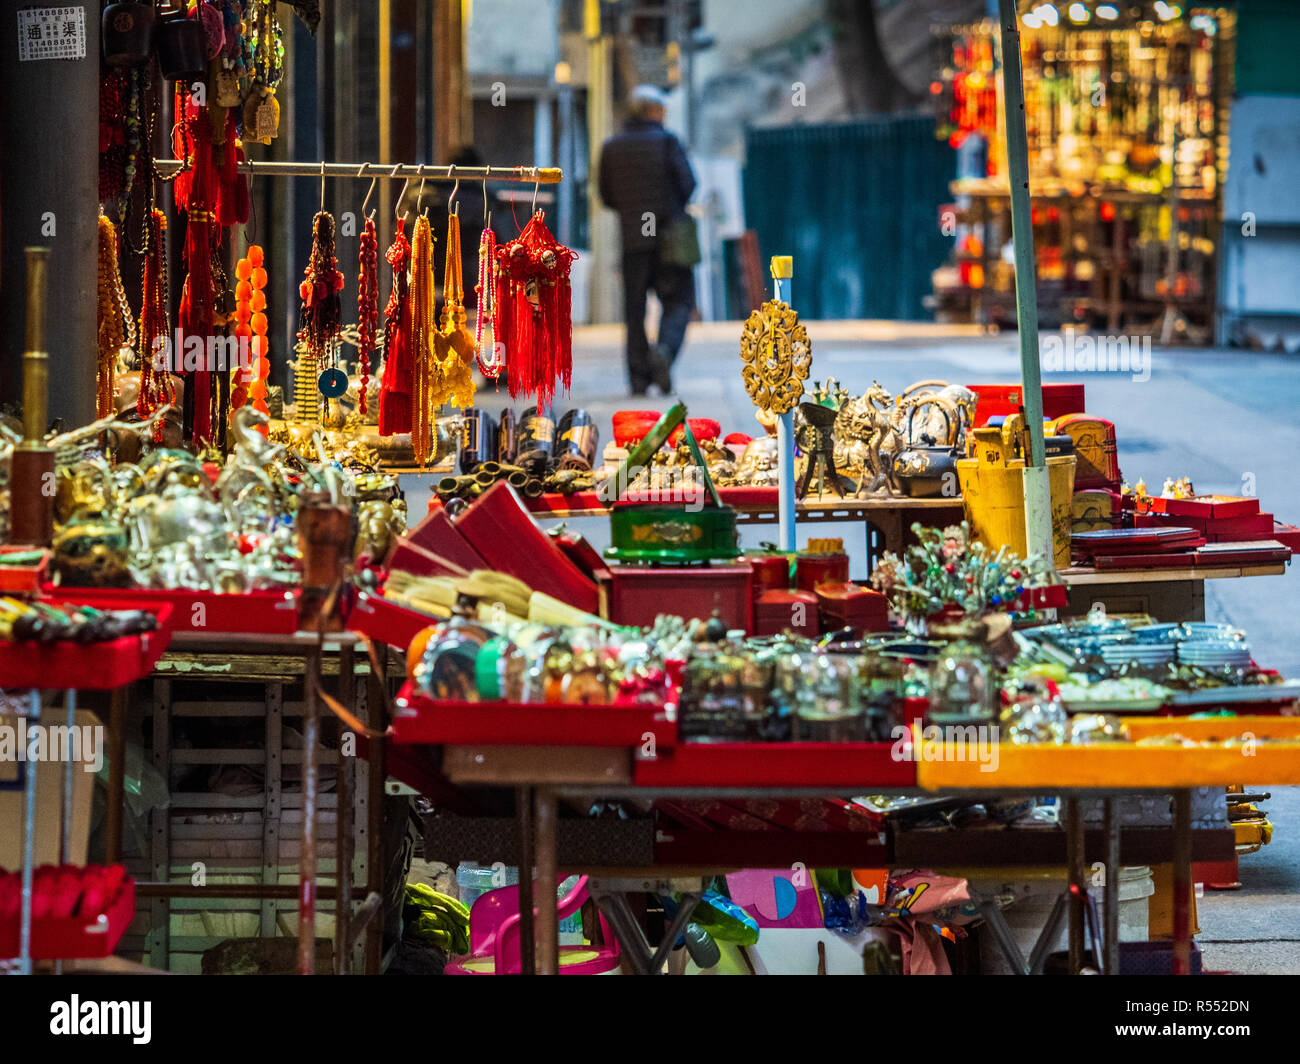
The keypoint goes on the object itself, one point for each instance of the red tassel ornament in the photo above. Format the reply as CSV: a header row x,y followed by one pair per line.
x,y
533,315
397,383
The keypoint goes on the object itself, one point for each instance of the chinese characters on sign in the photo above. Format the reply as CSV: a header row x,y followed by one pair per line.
x,y
51,33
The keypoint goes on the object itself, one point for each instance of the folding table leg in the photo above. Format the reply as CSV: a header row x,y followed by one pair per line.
x,y
116,776
65,821
1182,882
548,917
344,835
527,860
307,857
29,843
631,939
685,911
1074,848
1110,962
1038,955
1006,939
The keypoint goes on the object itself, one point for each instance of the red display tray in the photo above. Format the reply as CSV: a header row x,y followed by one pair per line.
x,y
422,720
1287,535
74,937
1201,506
259,612
1173,560
86,666
1259,552
377,618
851,766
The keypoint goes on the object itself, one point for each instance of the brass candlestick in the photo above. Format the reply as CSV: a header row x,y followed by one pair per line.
x,y
31,472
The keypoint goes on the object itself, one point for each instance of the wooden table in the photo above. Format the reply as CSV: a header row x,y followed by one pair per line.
x,y
888,519
1174,594
542,776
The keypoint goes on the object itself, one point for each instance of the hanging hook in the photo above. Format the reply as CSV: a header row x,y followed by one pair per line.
x,y
451,172
397,210
322,184
419,200
370,191
487,214
536,186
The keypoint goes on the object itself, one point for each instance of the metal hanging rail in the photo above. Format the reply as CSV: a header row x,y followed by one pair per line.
x,y
523,175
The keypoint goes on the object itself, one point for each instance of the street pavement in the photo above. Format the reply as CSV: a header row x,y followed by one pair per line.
x,y
1225,418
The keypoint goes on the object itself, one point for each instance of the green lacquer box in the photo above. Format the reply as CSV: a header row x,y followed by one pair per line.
x,y
662,532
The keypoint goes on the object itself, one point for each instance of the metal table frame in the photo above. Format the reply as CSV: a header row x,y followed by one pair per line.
x,y
543,776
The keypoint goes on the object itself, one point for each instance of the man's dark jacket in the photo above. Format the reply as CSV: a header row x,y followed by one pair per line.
x,y
643,168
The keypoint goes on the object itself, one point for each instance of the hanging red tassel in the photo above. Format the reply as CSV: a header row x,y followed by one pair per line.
x,y
397,384
534,311
198,296
232,187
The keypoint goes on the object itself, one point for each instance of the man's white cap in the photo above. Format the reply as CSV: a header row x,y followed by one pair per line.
x,y
648,94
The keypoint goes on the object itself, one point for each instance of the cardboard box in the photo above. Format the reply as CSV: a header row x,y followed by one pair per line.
x,y
49,786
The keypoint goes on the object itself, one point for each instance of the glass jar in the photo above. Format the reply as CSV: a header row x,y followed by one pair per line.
x,y
827,703
963,688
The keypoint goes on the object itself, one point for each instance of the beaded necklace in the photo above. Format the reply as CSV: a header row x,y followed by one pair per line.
x,y
116,326
367,304
155,383
427,371
484,330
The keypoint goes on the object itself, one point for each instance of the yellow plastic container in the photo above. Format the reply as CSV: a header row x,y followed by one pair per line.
x,y
993,495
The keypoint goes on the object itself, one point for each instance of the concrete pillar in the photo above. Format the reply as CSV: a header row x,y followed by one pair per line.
x,y
49,177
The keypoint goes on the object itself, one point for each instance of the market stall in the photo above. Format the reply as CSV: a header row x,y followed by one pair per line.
x,y
1127,121
261,537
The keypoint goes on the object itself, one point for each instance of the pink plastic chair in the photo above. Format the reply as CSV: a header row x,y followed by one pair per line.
x,y
494,937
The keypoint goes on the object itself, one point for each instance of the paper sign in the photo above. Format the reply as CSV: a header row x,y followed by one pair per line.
x,y
51,33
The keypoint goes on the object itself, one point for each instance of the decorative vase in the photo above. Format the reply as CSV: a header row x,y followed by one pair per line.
x,y
126,34
182,48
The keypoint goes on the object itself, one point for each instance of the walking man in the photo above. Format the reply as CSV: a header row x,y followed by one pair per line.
x,y
645,176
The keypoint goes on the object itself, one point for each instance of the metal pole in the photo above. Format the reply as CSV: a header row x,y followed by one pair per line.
x,y
519,175
1182,882
49,185
377,773
568,140
65,821
782,269
1074,848
29,840
116,775
603,301
527,861
344,837
545,892
307,857
1038,496
1110,964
